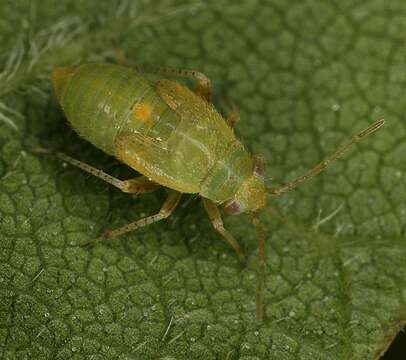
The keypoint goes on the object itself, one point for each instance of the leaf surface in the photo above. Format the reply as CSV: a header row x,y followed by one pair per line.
x,y
306,75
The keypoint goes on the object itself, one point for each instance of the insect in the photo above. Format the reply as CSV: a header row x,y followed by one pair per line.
x,y
175,138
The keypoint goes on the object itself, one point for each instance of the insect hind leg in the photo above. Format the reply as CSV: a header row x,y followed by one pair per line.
x,y
167,209
203,89
134,186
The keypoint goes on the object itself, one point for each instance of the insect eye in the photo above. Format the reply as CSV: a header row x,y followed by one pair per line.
x,y
259,166
234,207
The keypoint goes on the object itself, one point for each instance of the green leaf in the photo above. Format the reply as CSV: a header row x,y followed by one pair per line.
x,y
306,75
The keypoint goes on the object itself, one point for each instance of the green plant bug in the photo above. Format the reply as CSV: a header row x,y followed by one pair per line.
x,y
175,138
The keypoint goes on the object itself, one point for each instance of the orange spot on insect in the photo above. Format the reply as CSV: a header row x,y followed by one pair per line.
x,y
142,111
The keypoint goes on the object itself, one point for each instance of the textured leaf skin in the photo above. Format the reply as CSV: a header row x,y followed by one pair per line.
x,y
306,75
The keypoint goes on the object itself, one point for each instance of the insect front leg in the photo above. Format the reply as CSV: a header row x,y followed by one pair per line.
x,y
167,209
135,186
217,222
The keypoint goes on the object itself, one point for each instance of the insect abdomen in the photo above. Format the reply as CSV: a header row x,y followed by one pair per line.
x,y
103,100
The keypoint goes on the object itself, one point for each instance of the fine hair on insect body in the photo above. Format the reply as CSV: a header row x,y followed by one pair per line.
x,y
175,138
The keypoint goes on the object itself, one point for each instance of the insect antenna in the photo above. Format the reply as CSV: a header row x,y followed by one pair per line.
x,y
322,165
259,294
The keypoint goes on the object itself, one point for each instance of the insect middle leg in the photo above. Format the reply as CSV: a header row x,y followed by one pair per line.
x,y
217,222
234,116
167,209
135,186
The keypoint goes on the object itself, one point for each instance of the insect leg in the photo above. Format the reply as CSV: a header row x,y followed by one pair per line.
x,y
167,208
261,267
203,88
217,222
231,111
234,116
138,185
